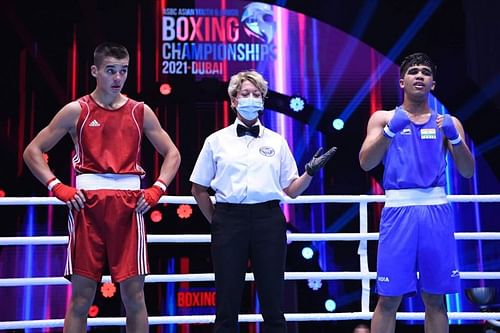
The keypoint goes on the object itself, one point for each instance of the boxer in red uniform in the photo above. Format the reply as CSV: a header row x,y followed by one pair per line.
x,y
106,222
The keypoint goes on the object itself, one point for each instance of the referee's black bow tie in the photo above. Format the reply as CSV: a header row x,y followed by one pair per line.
x,y
242,130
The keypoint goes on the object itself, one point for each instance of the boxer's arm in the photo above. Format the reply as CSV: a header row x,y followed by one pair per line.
x,y
376,143
62,123
460,152
171,161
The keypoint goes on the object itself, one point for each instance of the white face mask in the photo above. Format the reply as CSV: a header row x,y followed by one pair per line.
x,y
249,107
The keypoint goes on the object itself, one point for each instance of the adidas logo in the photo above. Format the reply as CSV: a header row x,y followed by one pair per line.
x,y
455,273
383,279
94,123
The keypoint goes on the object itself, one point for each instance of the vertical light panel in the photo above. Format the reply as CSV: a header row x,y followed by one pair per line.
x,y
304,83
184,269
310,131
22,111
139,49
375,104
74,64
316,209
281,80
160,5
28,265
170,306
48,266
225,77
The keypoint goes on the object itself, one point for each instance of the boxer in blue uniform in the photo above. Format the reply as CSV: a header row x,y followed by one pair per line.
x,y
417,224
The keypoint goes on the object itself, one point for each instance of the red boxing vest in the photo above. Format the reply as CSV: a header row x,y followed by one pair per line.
x,y
109,141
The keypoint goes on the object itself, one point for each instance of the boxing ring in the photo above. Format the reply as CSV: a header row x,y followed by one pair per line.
x,y
364,275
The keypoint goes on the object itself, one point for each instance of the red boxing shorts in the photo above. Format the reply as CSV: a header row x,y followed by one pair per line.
x,y
108,231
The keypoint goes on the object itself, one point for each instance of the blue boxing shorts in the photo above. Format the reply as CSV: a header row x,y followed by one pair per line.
x,y
418,238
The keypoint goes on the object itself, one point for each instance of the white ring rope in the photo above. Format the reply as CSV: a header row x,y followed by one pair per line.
x,y
203,277
208,319
364,275
197,238
302,199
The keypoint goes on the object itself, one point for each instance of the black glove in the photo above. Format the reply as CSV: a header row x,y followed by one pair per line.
x,y
318,160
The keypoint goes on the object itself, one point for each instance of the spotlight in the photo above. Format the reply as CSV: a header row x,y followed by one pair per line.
x,y
307,252
165,89
93,311
330,305
156,216
338,124
297,103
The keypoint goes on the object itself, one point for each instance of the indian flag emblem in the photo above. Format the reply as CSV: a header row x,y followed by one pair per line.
x,y
427,133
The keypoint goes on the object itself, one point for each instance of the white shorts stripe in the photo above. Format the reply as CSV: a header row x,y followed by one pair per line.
x,y
141,246
68,270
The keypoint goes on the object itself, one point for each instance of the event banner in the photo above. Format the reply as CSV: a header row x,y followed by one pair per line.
x,y
207,41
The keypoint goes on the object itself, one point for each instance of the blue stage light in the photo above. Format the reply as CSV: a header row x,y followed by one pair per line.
x,y
307,252
330,305
338,124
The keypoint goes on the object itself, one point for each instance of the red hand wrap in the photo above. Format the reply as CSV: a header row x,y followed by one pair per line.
x,y
63,192
152,195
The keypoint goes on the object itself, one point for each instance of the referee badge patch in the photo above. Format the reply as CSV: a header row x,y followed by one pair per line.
x,y
427,133
266,151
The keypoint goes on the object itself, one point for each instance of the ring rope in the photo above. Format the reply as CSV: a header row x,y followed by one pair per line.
x,y
197,238
208,319
204,277
301,199
363,275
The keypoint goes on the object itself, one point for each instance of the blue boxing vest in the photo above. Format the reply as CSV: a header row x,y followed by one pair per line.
x,y
416,157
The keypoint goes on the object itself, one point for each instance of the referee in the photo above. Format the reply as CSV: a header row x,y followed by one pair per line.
x,y
250,168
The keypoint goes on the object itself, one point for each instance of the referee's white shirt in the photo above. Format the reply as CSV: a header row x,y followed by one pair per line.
x,y
245,169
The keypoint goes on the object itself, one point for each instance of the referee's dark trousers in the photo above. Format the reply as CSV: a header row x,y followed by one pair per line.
x,y
240,232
